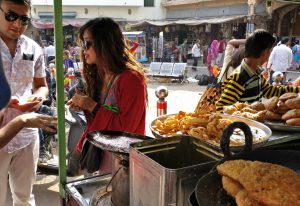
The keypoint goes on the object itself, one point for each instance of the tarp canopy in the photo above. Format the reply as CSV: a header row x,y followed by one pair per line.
x,y
48,24
215,20
289,1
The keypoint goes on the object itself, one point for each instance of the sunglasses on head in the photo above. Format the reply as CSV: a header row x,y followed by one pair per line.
x,y
12,16
85,44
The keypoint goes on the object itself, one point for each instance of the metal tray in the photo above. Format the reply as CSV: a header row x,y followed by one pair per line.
x,y
265,132
281,126
114,141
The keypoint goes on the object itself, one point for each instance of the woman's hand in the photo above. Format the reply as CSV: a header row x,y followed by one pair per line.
x,y
82,101
35,120
73,106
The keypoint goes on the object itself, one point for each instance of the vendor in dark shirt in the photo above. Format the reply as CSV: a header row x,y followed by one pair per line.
x,y
246,83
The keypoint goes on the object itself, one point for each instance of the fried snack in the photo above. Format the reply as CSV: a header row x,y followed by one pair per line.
x,y
271,104
294,113
264,183
271,184
287,96
272,116
281,107
248,109
199,132
259,116
293,122
232,168
258,106
229,109
242,199
231,186
240,105
293,103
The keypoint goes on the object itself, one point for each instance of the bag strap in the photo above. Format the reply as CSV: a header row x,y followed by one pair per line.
x,y
222,75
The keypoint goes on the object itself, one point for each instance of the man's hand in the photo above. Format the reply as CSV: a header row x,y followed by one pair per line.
x,y
34,120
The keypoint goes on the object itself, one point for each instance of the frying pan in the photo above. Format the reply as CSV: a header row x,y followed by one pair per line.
x,y
209,190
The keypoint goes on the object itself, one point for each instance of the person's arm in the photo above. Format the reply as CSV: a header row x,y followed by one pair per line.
x,y
290,59
236,42
269,90
26,120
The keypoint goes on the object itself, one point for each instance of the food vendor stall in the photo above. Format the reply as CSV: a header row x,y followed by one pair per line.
x,y
161,171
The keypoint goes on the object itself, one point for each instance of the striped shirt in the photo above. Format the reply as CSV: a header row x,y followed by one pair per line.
x,y
245,85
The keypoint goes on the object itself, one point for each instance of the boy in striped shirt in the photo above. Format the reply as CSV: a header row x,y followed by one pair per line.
x,y
246,83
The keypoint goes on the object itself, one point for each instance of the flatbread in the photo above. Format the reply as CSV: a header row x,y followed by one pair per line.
x,y
231,186
263,183
243,199
271,184
232,168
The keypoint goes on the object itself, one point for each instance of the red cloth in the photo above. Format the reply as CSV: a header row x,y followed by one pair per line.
x,y
222,46
134,47
131,100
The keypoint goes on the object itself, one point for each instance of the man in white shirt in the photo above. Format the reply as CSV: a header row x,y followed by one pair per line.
x,y
50,52
196,53
280,59
24,68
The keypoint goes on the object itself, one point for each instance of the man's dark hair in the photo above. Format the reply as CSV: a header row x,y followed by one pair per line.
x,y
257,42
285,40
20,2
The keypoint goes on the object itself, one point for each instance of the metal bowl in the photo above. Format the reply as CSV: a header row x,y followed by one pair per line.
x,y
256,127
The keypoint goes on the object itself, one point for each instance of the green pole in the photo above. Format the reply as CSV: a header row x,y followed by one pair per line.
x,y
58,34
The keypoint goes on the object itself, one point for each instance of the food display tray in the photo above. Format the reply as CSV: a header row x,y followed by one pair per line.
x,y
264,131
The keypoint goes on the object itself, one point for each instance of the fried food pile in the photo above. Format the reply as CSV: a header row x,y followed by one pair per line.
x,y
254,183
285,108
255,111
204,126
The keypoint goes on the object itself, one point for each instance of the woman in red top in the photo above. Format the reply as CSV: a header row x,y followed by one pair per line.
x,y
115,97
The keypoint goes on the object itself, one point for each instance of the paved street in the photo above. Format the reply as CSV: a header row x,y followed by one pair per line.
x,y
181,97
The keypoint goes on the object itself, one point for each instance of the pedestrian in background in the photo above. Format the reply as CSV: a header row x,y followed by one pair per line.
x,y
221,50
296,55
280,59
24,67
68,62
116,93
50,52
183,51
196,53
214,52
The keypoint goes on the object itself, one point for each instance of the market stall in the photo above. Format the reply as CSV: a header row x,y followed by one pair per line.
x,y
166,170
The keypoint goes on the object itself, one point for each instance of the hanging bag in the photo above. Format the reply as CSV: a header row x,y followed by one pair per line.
x,y
211,95
90,157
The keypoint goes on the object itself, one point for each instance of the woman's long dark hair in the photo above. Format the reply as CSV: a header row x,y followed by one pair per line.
x,y
111,50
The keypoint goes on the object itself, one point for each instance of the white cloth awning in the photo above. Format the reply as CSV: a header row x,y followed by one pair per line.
x,y
208,20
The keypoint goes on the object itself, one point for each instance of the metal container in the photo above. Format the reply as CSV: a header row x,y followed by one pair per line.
x,y
165,171
81,192
120,180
